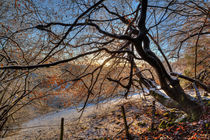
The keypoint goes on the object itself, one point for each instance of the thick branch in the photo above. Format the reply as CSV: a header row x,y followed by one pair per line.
x,y
164,100
159,48
205,87
142,20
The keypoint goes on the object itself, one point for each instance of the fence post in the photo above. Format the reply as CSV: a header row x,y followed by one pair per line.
x,y
153,115
62,129
125,123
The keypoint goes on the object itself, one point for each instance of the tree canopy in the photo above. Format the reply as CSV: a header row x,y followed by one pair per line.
x,y
96,49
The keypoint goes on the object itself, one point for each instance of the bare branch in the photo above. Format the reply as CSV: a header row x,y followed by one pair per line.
x,y
63,61
69,30
205,87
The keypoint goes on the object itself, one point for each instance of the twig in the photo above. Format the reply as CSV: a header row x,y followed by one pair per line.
x,y
196,47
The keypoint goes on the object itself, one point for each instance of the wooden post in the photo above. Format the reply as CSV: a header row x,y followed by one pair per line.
x,y
125,123
62,129
153,115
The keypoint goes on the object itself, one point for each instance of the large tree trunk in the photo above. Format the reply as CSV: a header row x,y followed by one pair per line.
x,y
170,85
176,97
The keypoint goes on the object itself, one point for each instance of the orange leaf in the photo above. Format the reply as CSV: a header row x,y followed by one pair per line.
x,y
156,137
193,138
16,3
62,86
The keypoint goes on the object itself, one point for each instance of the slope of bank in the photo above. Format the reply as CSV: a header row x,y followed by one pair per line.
x,y
105,121
48,125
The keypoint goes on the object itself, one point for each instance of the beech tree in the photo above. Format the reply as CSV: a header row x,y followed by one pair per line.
x,y
120,46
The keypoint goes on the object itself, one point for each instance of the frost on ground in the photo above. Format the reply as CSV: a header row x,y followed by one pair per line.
x,y
98,121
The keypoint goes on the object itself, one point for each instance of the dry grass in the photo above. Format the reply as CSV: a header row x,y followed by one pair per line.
x,y
106,123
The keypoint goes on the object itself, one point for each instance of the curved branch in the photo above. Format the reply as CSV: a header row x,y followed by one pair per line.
x,y
69,30
159,48
123,37
205,87
64,61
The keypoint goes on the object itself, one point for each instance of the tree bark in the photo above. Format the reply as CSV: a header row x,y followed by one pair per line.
x,y
170,85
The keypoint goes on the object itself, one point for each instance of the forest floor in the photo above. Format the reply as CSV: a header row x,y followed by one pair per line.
x,y
105,121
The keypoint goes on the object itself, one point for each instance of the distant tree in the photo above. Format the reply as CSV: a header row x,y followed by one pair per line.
x,y
118,45
202,62
15,85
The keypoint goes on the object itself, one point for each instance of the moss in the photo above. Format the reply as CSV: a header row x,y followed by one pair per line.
x,y
166,114
208,103
163,124
207,126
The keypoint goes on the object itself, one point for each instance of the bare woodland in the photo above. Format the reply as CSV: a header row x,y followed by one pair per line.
x,y
90,50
